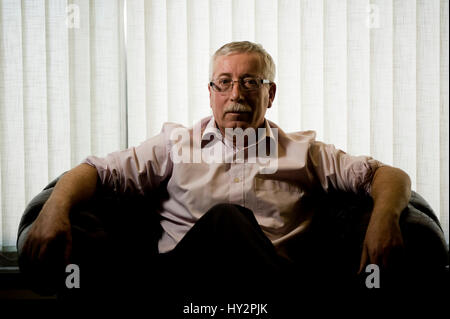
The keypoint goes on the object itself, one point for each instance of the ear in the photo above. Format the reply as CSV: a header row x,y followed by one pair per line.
x,y
272,91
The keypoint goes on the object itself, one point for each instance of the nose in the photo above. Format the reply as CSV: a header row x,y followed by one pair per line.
x,y
236,93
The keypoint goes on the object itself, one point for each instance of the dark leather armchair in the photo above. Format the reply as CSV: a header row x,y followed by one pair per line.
x,y
114,240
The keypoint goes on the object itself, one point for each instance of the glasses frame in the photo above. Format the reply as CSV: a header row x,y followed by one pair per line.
x,y
240,82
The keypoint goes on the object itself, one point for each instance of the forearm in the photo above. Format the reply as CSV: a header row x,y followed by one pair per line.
x,y
77,185
391,191
53,224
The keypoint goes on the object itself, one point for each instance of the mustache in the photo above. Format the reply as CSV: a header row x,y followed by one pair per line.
x,y
237,107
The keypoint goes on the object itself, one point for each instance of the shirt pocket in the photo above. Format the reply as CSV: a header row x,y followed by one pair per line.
x,y
275,195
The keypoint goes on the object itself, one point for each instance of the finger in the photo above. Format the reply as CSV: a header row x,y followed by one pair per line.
x,y
42,252
26,249
68,249
363,260
27,253
32,249
57,249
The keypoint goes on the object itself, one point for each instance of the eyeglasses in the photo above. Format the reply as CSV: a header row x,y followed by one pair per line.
x,y
246,84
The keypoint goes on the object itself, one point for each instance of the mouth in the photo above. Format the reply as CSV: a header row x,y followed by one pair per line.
x,y
238,112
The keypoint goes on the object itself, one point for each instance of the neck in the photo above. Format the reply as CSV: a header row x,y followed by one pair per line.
x,y
241,140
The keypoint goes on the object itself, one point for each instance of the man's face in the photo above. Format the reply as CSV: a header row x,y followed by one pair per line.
x,y
235,67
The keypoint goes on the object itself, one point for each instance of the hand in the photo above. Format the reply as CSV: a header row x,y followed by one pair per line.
x,y
49,241
383,244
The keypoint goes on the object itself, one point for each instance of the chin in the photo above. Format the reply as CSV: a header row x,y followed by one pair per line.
x,y
239,124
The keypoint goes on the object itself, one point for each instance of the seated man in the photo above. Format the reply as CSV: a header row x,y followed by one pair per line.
x,y
236,184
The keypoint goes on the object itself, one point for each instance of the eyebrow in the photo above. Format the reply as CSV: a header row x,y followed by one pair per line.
x,y
242,76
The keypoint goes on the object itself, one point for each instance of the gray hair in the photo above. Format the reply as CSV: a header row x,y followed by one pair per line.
x,y
246,47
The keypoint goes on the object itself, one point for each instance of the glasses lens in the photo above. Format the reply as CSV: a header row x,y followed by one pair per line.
x,y
251,83
225,84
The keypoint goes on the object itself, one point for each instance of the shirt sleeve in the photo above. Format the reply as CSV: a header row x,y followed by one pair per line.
x,y
135,170
339,170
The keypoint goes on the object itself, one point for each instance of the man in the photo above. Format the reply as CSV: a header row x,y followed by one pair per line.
x,y
230,214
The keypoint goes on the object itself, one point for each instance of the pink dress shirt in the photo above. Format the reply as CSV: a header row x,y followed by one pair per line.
x,y
198,182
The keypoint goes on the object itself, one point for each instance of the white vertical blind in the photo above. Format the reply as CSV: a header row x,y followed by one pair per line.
x,y
358,78
35,121
80,84
177,61
381,80
107,104
427,100
335,73
369,76
289,65
404,43
266,33
12,152
220,21
136,72
444,119
58,91
198,53
156,66
62,94
311,75
243,20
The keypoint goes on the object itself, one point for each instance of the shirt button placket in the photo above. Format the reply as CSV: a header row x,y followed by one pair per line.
x,y
236,184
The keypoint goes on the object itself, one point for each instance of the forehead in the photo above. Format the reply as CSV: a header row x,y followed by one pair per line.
x,y
237,64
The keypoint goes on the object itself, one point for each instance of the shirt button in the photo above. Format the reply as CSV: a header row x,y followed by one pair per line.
x,y
236,179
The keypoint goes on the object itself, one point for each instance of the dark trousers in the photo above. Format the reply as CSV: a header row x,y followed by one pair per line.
x,y
225,252
225,258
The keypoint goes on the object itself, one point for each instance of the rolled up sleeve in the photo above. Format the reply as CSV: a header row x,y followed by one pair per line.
x,y
135,170
339,170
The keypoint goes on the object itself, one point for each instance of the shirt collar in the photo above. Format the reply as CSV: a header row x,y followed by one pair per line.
x,y
211,130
